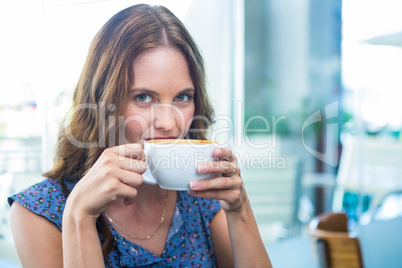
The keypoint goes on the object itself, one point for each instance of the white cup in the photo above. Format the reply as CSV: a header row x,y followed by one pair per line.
x,y
173,163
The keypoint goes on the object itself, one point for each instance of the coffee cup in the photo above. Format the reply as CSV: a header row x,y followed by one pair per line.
x,y
172,163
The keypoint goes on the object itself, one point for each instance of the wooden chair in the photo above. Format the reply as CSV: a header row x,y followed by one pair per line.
x,y
334,246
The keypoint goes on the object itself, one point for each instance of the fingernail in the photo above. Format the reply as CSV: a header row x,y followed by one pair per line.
x,y
202,168
218,152
192,192
194,184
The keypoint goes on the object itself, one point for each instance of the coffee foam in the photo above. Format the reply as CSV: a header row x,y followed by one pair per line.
x,y
180,141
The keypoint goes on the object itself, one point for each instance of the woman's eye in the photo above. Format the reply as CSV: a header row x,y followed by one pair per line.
x,y
183,98
143,98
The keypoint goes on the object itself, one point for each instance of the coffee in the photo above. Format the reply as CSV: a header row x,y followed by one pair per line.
x,y
181,141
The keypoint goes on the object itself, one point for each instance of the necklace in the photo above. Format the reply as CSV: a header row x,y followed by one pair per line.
x,y
141,238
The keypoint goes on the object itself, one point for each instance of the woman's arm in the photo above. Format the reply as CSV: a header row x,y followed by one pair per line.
x,y
35,247
81,242
114,175
247,247
40,243
221,240
237,224
237,234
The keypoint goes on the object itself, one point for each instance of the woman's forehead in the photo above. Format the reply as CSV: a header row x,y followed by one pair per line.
x,y
161,68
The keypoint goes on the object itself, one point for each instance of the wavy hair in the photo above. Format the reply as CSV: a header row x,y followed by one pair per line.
x,y
104,86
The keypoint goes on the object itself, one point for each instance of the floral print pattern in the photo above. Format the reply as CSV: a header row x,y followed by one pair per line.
x,y
188,243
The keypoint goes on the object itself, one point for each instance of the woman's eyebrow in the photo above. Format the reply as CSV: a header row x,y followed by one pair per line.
x,y
154,93
145,91
187,90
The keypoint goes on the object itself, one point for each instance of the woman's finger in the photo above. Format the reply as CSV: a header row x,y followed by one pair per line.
x,y
135,165
131,150
133,159
232,196
127,177
218,183
225,154
124,191
223,167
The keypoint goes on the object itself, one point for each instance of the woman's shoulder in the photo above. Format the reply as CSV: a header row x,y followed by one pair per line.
x,y
45,198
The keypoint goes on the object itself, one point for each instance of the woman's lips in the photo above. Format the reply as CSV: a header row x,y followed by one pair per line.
x,y
161,138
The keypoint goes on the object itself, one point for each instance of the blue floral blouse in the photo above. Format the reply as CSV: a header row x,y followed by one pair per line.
x,y
188,243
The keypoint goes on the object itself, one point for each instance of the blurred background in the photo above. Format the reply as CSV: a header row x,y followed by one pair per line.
x,y
307,92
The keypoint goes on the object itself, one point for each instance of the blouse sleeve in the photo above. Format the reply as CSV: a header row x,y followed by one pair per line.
x,y
209,208
44,198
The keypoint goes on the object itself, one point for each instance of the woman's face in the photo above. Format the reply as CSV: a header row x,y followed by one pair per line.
x,y
161,103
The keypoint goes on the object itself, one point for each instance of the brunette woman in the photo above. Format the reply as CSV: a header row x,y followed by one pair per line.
x,y
143,79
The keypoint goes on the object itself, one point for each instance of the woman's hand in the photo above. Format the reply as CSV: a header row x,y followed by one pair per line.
x,y
229,190
116,174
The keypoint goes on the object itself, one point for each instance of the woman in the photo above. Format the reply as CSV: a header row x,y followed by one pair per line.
x,y
143,79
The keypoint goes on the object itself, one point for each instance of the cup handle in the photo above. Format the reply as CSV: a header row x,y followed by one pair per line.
x,y
147,176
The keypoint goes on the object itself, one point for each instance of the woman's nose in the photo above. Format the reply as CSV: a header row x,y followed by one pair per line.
x,y
164,116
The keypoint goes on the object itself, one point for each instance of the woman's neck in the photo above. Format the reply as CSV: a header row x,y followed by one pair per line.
x,y
149,196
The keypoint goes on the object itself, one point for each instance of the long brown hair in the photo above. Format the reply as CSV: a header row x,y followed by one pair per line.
x,y
102,90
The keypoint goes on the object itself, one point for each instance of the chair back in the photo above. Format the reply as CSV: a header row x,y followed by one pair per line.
x,y
334,246
332,222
